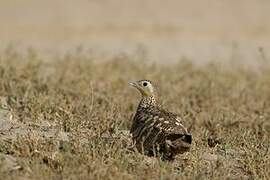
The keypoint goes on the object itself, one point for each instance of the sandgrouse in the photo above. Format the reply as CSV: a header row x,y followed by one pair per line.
x,y
155,131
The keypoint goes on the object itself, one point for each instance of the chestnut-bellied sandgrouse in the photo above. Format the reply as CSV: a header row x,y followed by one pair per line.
x,y
155,131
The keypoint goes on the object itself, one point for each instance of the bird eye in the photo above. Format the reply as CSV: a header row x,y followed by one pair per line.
x,y
145,84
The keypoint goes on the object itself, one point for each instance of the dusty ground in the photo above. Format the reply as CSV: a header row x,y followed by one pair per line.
x,y
201,31
65,104
67,118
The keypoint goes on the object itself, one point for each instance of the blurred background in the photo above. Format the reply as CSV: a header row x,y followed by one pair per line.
x,y
164,31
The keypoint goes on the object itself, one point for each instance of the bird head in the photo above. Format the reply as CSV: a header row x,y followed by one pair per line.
x,y
144,86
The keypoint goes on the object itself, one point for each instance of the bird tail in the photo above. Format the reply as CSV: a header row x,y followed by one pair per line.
x,y
179,143
176,144
187,138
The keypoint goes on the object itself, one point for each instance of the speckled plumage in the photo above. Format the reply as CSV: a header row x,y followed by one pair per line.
x,y
155,130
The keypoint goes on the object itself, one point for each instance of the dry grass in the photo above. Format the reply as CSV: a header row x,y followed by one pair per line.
x,y
64,108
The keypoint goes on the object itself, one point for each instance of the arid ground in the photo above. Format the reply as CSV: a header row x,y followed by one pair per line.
x,y
68,119
65,103
201,31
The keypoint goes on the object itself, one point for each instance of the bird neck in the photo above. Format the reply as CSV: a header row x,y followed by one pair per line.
x,y
147,101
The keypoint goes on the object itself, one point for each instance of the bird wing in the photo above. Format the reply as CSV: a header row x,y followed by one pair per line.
x,y
152,126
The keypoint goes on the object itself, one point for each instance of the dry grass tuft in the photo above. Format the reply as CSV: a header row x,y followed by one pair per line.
x,y
58,118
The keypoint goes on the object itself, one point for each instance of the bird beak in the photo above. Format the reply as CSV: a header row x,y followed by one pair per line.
x,y
133,84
